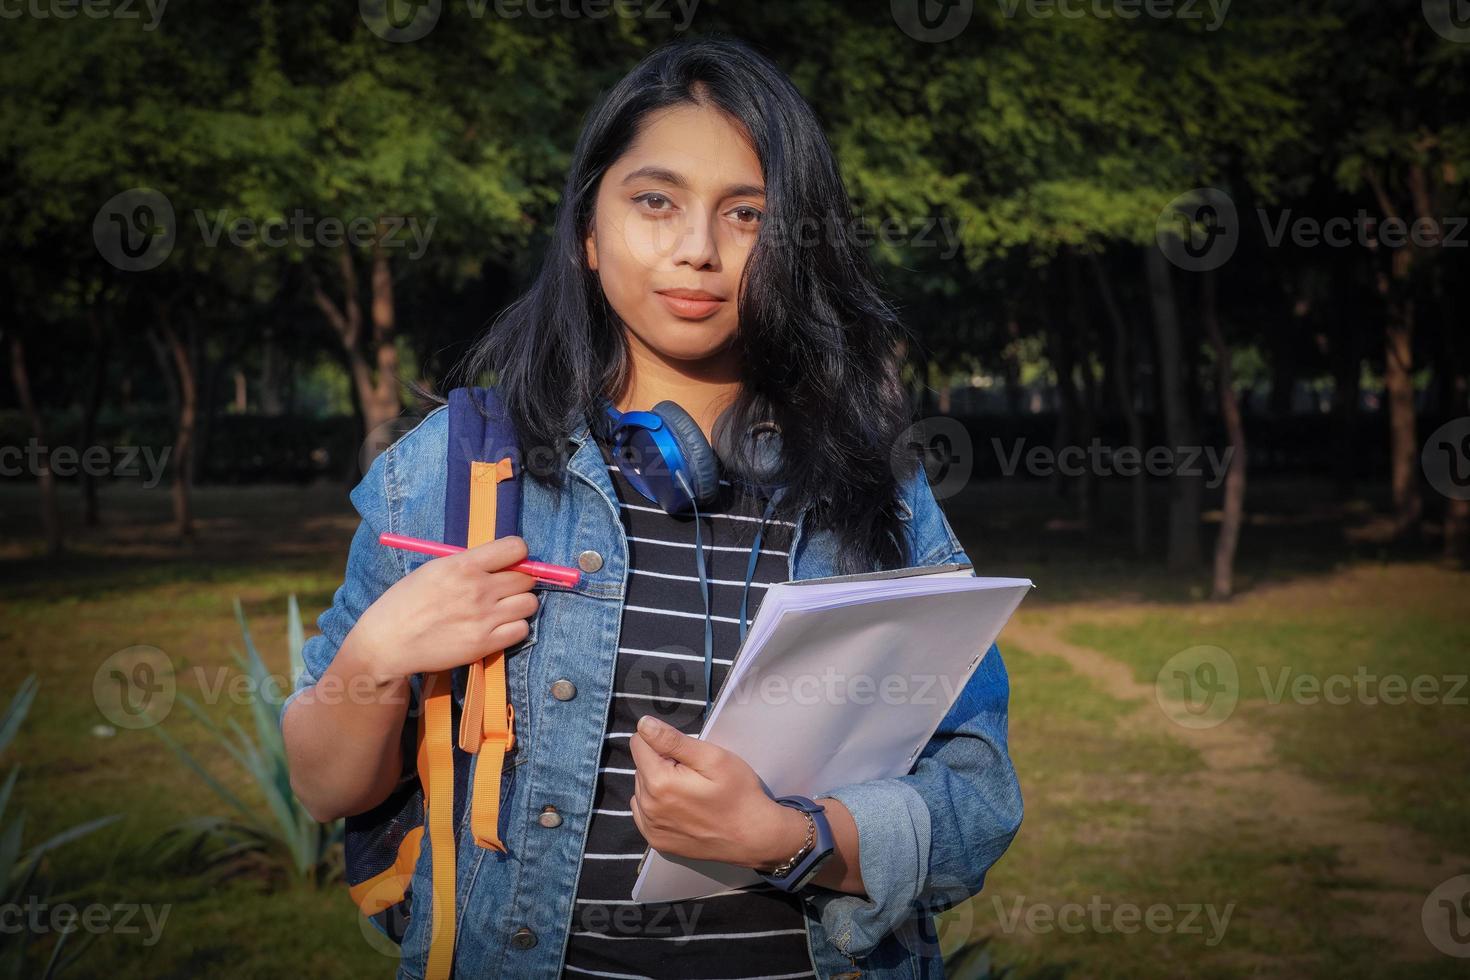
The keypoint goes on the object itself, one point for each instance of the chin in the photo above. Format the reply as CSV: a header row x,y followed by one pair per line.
x,y
690,342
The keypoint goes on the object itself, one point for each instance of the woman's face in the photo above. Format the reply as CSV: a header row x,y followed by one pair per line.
x,y
676,218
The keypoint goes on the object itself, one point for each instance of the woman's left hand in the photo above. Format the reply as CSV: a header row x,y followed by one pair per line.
x,y
696,800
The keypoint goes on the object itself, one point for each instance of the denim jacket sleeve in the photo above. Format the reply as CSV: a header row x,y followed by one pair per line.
x,y
927,839
371,569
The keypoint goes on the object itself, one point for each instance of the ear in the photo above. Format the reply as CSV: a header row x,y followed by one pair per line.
x,y
590,244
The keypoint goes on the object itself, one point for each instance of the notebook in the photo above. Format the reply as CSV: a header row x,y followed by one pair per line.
x,y
842,680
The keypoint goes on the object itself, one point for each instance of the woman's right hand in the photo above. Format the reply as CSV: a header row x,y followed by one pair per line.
x,y
448,612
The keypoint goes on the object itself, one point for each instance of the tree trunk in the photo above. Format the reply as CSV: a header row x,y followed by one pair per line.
x,y
45,480
1398,383
1233,510
1184,489
179,350
1123,388
377,396
101,338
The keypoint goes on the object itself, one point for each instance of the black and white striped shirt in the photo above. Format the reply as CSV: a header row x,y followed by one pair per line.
x,y
745,933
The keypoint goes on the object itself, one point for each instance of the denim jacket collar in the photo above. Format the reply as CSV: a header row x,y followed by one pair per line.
x,y
810,556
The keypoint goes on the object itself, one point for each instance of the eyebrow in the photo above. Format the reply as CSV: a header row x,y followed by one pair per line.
x,y
667,176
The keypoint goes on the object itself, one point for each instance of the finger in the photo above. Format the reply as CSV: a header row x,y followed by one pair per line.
x,y
492,556
674,745
507,635
639,820
644,758
522,605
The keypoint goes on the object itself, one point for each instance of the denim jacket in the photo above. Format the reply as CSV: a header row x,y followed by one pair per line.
x,y
926,839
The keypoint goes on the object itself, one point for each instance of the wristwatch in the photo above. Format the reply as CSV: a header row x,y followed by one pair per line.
x,y
793,873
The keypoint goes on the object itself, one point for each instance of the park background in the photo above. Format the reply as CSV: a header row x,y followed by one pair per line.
x,y
1148,226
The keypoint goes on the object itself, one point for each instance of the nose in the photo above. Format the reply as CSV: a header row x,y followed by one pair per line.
x,y
697,244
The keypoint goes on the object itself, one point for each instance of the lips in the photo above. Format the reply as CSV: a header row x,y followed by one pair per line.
x,y
690,304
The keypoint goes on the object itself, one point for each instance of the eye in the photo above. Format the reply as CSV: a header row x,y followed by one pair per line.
x,y
745,214
656,202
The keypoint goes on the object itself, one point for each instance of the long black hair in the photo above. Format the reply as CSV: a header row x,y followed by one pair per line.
x,y
821,346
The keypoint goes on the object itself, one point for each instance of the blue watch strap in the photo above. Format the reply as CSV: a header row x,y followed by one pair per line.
x,y
820,850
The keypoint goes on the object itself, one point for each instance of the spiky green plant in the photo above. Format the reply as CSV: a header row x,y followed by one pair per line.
x,y
20,870
276,833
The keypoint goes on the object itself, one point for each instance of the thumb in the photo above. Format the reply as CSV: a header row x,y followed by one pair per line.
x,y
671,743
495,554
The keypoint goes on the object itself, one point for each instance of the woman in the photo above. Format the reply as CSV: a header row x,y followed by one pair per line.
x,y
699,257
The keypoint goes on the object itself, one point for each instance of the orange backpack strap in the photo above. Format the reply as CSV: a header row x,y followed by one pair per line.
x,y
486,729
436,769
487,724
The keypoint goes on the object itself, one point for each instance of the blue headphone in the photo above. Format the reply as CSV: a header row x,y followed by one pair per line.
x,y
664,455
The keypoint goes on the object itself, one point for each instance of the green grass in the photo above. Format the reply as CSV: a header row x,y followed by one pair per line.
x,y
1408,759
1103,829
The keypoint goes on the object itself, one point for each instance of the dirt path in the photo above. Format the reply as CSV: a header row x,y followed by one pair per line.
x,y
1388,869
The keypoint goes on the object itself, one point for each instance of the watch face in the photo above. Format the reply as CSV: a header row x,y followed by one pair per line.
x,y
810,872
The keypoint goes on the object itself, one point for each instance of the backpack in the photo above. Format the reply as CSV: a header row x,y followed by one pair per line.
x,y
382,845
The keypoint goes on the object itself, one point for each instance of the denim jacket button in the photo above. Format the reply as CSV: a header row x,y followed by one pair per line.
x,y
563,690
549,817
523,938
589,561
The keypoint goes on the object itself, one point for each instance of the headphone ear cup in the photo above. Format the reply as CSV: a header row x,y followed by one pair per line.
x,y
704,466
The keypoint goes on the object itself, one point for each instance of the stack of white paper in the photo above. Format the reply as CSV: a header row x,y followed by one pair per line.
x,y
842,680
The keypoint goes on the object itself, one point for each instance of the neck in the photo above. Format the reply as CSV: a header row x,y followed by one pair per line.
x,y
703,388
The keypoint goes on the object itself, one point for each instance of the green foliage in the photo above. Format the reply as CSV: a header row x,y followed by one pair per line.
x,y
275,835
20,879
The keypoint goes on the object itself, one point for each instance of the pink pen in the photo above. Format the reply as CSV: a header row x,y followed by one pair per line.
x,y
540,570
